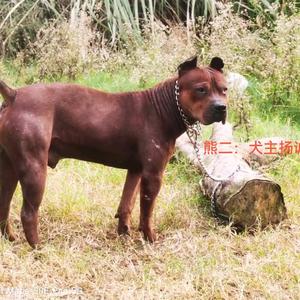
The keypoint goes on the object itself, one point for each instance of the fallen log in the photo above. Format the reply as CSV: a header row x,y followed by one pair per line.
x,y
247,197
255,158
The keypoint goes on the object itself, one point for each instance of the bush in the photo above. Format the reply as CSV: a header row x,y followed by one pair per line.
x,y
157,55
271,57
64,49
2,70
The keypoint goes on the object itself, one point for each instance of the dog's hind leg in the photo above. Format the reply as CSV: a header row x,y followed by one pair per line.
x,y
127,201
8,183
32,179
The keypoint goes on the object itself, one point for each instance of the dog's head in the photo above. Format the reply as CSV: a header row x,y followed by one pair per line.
x,y
203,91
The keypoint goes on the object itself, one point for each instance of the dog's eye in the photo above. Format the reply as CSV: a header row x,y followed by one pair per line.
x,y
224,90
201,90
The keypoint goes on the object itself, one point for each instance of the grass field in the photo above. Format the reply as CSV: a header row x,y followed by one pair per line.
x,y
194,257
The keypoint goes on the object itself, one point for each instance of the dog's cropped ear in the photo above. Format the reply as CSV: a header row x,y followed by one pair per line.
x,y
217,64
188,65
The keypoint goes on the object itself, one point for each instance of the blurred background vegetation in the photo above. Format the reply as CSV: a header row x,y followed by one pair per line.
x,y
21,20
147,39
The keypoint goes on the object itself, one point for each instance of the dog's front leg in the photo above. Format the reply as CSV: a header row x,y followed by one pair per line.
x,y
127,201
150,186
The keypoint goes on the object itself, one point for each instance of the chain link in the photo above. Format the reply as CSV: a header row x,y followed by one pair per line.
x,y
193,132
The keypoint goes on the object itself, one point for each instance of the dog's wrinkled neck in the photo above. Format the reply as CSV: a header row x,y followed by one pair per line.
x,y
162,98
187,120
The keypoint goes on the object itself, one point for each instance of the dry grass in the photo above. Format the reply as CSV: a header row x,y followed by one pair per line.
x,y
194,258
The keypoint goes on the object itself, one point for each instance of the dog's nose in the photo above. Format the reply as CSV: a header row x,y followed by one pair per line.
x,y
220,107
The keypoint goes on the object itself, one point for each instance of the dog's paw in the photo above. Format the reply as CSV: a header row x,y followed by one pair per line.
x,y
123,228
149,235
8,233
11,237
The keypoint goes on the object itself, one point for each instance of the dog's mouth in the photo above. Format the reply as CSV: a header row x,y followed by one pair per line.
x,y
223,118
214,117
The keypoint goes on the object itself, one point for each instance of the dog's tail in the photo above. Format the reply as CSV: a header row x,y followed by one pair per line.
x,y
7,93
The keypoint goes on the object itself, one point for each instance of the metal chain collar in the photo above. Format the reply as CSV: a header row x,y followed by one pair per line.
x,y
194,131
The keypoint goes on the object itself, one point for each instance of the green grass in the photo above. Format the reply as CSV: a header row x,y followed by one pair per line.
x,y
194,257
116,82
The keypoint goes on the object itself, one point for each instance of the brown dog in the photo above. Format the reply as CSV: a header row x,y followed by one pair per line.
x,y
41,124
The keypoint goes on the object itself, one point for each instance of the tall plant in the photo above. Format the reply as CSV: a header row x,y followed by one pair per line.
x,y
21,20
